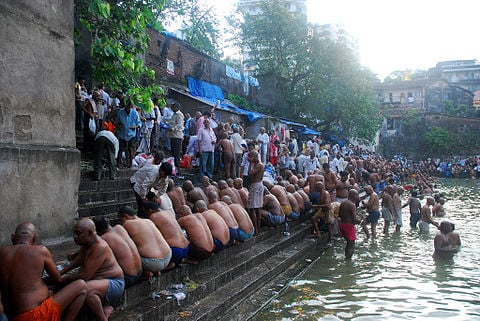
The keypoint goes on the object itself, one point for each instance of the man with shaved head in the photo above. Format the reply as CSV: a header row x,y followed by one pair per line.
x,y
255,192
194,194
198,232
217,225
225,212
372,205
176,195
25,294
99,268
171,231
245,224
224,189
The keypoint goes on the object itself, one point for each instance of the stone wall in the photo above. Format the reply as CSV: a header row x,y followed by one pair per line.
x,y
39,164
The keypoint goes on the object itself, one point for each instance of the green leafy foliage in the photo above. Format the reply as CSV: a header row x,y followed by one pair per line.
x,y
322,83
439,141
119,39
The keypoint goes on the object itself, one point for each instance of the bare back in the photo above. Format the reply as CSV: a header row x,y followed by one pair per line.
x,y
21,276
198,231
170,229
150,242
177,197
242,217
217,226
124,249
224,211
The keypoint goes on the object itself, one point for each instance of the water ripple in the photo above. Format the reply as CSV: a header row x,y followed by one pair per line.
x,y
394,277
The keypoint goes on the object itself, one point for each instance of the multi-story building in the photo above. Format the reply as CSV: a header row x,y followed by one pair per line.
x,y
338,34
464,73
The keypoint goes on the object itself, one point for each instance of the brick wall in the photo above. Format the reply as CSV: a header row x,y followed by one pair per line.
x,y
188,61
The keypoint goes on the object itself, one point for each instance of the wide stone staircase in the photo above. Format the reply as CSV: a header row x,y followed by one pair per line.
x,y
213,287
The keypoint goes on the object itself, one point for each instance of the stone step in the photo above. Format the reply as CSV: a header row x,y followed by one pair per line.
x,y
88,199
108,209
236,262
121,183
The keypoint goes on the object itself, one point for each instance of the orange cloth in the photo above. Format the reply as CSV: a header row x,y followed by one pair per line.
x,y
47,311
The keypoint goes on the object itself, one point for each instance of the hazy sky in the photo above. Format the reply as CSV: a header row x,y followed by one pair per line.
x,y
400,34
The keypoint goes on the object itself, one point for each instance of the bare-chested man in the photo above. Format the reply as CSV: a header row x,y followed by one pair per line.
x,y
348,218
226,213
444,249
330,182
342,187
171,231
154,251
25,295
374,180
199,234
414,206
238,185
388,208
216,224
194,194
176,195
255,192
426,216
300,202
324,214
397,204
295,213
279,192
98,267
246,229
226,146
372,205
123,248
224,189
271,212
207,187
313,179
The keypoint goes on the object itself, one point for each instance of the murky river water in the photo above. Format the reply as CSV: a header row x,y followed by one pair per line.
x,y
393,277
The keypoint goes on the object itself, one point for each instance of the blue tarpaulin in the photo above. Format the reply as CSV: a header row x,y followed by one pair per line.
x,y
204,89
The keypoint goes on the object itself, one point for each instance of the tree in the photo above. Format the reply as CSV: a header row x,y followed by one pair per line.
x,y
199,24
119,40
277,40
439,141
321,82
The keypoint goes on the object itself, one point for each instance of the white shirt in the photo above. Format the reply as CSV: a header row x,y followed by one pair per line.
x,y
263,138
111,137
145,178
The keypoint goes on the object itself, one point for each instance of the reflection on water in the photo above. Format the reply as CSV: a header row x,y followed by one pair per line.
x,y
393,277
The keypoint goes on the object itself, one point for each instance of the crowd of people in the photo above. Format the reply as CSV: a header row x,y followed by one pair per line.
x,y
268,181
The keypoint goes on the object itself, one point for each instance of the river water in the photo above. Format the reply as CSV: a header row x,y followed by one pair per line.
x,y
393,277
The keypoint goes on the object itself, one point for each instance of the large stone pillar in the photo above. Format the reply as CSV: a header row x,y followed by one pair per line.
x,y
39,164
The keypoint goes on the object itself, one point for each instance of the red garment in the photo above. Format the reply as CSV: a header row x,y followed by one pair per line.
x,y
348,231
47,311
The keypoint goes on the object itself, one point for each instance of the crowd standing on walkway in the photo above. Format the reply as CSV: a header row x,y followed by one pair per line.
x,y
265,183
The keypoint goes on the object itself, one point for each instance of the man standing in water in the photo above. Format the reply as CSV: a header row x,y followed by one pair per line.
x,y
444,249
426,216
414,205
372,206
255,194
348,219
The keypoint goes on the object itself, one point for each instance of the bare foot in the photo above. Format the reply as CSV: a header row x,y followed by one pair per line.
x,y
107,310
190,261
146,276
314,236
170,266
